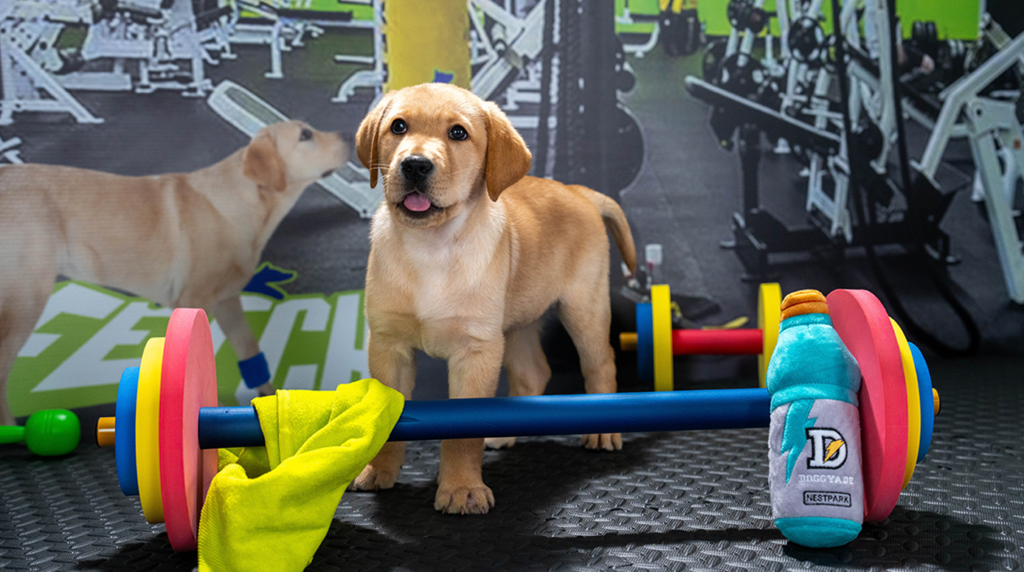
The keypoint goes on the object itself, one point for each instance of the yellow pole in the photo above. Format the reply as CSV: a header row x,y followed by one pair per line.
x,y
427,42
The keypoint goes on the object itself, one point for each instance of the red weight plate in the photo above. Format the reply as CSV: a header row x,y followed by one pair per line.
x,y
188,381
865,328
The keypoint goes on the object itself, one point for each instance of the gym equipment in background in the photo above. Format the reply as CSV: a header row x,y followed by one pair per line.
x,y
630,20
22,79
802,93
675,25
598,141
157,36
287,28
854,152
758,233
992,124
374,77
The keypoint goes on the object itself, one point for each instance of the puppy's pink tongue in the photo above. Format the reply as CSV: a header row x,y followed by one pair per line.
x,y
416,202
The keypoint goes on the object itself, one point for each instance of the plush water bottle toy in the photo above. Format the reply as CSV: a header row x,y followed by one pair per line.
x,y
814,469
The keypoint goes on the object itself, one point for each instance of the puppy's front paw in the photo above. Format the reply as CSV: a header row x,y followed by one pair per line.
x,y
476,499
606,441
499,442
373,479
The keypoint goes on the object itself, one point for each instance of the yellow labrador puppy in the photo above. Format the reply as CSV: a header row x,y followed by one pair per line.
x,y
466,256
190,239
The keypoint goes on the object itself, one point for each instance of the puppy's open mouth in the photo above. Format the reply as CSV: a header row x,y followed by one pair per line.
x,y
417,205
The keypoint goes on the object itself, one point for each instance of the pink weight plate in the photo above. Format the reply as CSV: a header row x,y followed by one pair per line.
x,y
865,328
188,381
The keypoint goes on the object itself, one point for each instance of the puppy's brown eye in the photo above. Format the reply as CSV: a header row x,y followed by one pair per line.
x,y
398,126
458,133
306,135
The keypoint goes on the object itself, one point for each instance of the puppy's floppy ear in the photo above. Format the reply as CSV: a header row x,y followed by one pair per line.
x,y
263,164
366,138
508,158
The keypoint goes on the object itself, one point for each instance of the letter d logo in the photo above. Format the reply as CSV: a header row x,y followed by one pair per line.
x,y
828,448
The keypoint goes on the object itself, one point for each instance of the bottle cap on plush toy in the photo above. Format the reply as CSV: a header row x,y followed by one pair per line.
x,y
803,302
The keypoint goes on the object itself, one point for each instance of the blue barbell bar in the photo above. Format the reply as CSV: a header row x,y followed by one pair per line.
x,y
527,416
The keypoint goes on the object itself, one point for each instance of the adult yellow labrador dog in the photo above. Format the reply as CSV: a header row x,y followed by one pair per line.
x,y
189,239
467,254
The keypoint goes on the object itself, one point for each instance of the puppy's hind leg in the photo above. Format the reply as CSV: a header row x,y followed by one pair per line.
x,y
393,364
586,314
19,311
527,368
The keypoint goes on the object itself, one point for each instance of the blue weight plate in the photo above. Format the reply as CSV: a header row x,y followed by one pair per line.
x,y
124,432
644,342
924,386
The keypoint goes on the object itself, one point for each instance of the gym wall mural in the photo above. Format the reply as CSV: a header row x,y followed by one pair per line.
x,y
718,125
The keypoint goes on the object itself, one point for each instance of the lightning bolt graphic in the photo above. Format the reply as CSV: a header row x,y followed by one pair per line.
x,y
794,432
833,448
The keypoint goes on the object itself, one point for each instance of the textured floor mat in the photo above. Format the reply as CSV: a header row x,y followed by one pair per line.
x,y
684,501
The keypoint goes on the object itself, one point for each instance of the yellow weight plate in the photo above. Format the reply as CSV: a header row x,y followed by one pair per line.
x,y
147,424
913,403
769,306
661,310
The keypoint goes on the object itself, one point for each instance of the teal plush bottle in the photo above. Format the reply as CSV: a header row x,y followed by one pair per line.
x,y
814,468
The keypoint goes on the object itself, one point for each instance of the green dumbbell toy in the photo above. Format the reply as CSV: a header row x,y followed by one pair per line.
x,y
48,433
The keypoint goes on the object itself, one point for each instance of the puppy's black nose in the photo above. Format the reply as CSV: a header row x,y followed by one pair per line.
x,y
416,168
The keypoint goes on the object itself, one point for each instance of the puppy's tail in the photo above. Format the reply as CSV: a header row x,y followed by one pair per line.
x,y
616,222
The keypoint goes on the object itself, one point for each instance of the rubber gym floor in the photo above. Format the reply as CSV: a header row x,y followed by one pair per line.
x,y
690,501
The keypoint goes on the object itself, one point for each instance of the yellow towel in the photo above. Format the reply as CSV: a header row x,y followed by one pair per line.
x,y
270,507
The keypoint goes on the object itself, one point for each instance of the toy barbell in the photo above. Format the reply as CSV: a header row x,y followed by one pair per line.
x,y
656,342
168,455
